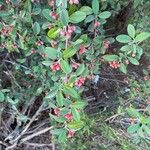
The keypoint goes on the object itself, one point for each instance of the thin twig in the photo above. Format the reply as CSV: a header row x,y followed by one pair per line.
x,y
37,144
112,118
36,134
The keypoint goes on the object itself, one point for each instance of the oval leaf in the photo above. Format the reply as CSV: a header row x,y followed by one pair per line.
x,y
131,30
123,38
77,17
95,6
65,66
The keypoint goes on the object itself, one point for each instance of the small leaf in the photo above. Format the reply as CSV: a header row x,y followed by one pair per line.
x,y
123,38
2,97
47,63
46,14
60,98
123,68
76,125
104,15
51,94
80,69
125,48
65,66
56,131
70,91
53,33
79,104
141,37
95,6
77,17
133,112
110,57
62,136
133,61
75,113
133,128
89,18
131,30
69,52
36,28
51,52
86,9
64,17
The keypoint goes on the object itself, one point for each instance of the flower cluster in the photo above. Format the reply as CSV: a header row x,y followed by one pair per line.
x,y
54,15
71,133
96,24
6,30
55,67
106,44
82,49
68,32
39,43
80,82
52,3
73,2
114,64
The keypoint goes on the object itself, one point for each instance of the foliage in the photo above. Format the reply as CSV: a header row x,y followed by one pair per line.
x,y
58,48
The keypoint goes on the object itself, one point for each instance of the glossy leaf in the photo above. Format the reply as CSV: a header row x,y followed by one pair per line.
x,y
123,38
65,66
131,30
51,52
95,6
104,15
77,17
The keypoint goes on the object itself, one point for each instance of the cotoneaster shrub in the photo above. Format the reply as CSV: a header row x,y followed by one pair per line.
x,y
62,45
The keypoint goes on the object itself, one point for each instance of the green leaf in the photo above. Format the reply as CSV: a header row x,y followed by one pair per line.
x,y
71,91
125,48
77,17
47,63
146,129
2,97
64,17
53,33
141,37
51,94
123,38
46,14
69,52
95,6
76,125
86,9
123,68
133,61
59,119
80,69
133,128
133,112
1,26
141,133
131,30
65,66
60,98
75,113
104,15
89,18
62,136
79,104
36,28
56,131
146,121
110,57
51,52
